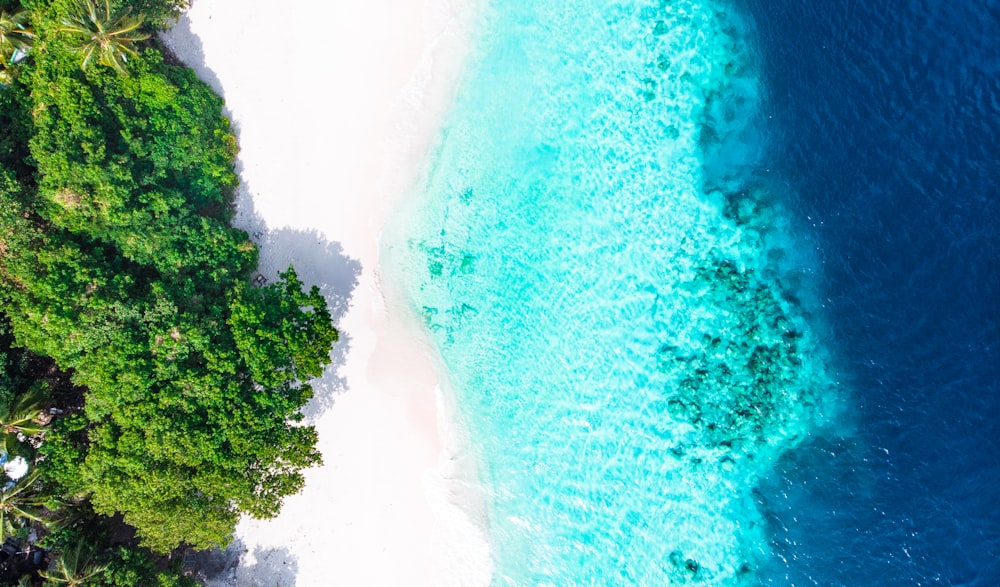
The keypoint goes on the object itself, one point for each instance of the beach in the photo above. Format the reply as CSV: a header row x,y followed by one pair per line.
x,y
334,122
711,281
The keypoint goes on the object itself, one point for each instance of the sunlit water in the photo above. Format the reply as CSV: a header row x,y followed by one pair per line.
x,y
622,306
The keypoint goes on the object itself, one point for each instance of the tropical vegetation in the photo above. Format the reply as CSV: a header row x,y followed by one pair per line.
x,y
74,567
97,32
15,40
153,390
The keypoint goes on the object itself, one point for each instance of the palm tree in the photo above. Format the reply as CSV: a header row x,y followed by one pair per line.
x,y
20,501
100,33
22,415
73,567
15,36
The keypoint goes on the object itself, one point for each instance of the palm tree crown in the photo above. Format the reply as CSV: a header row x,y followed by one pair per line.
x,y
74,567
14,33
15,37
101,34
21,501
23,415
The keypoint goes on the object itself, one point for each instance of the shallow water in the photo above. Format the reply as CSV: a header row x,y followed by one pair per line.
x,y
624,310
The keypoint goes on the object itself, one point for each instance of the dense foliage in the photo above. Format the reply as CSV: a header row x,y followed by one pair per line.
x,y
118,263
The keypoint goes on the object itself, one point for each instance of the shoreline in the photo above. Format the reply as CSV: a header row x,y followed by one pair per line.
x,y
334,129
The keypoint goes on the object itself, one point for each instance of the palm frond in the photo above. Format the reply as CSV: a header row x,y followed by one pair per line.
x,y
22,414
73,567
107,36
15,35
21,501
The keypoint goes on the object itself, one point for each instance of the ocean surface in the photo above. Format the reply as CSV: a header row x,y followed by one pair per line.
x,y
886,124
715,285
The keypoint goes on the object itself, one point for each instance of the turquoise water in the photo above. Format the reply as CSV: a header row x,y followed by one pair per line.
x,y
615,292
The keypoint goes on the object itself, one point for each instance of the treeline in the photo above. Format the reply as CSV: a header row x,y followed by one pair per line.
x,y
164,390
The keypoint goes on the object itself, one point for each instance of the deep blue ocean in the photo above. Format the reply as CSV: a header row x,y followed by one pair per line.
x,y
886,122
715,285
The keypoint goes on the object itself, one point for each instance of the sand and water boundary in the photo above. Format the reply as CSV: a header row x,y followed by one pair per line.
x,y
335,119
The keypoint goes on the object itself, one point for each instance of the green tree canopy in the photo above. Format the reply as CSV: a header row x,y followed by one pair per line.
x,y
117,260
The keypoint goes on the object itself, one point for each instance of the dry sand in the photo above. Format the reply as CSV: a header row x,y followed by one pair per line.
x,y
336,104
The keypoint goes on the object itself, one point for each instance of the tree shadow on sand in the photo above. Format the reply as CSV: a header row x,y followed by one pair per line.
x,y
322,263
263,567
317,260
181,35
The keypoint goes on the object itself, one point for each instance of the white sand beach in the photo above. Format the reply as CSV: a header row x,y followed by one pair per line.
x,y
336,105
